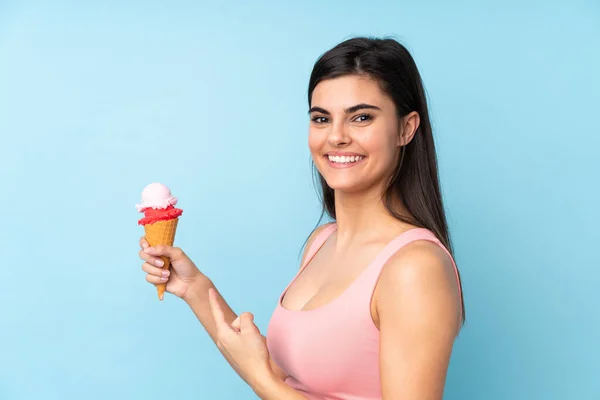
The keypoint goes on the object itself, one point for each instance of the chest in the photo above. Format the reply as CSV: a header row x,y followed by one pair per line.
x,y
333,350
327,276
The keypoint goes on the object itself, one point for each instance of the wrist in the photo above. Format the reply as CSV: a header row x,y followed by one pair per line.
x,y
198,288
267,384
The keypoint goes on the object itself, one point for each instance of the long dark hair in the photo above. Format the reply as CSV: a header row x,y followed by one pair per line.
x,y
415,181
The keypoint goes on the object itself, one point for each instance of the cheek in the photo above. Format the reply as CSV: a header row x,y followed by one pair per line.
x,y
381,147
315,141
377,143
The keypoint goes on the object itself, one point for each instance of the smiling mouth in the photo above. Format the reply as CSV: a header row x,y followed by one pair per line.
x,y
344,159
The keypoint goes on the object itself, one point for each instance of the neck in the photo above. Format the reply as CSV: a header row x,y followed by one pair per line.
x,y
363,215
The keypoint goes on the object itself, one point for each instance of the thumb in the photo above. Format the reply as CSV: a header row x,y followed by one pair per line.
x,y
247,323
236,324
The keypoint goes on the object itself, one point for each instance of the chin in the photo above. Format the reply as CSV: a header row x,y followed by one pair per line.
x,y
345,185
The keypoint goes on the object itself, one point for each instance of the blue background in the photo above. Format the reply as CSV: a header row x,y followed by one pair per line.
x,y
99,99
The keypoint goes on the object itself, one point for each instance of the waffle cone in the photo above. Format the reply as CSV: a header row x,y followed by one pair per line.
x,y
161,233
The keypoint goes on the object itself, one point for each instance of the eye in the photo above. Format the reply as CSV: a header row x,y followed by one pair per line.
x,y
318,120
363,118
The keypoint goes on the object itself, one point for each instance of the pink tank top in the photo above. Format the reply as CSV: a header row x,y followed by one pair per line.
x,y
332,352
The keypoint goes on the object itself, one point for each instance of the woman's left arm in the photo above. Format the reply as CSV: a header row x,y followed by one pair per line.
x,y
246,351
273,388
419,312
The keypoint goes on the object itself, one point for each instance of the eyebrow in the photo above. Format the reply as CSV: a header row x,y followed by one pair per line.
x,y
349,110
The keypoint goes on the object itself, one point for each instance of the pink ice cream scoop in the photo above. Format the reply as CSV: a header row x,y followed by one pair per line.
x,y
156,196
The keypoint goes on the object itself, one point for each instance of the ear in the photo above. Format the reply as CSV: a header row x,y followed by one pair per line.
x,y
408,127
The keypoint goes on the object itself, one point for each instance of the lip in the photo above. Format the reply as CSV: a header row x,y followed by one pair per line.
x,y
342,153
343,166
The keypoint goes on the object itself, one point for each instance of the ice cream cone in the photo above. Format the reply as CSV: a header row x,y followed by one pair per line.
x,y
160,221
161,233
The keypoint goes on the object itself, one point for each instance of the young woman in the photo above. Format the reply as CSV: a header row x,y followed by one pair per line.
x,y
376,304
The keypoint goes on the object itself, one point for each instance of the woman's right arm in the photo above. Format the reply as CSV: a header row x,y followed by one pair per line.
x,y
186,281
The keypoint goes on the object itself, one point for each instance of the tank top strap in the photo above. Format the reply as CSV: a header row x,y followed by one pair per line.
x,y
317,243
374,270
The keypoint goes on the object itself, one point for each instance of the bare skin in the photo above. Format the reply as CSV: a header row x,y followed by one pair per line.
x,y
187,282
416,305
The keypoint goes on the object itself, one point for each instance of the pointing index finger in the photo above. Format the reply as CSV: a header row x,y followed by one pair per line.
x,y
217,312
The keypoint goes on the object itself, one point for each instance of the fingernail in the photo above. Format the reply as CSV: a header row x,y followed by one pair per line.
x,y
159,262
165,273
164,279
149,250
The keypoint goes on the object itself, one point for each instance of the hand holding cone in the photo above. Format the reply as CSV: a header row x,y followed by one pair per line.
x,y
160,221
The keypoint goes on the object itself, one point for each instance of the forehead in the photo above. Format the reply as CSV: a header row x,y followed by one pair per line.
x,y
347,91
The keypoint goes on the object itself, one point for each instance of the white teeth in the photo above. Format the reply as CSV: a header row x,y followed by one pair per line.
x,y
345,159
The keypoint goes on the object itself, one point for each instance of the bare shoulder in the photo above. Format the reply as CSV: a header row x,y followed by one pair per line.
x,y
312,238
419,283
424,261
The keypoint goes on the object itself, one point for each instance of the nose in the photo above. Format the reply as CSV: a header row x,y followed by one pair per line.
x,y
338,136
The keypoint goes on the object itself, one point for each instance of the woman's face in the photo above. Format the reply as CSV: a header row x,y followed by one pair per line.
x,y
354,134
